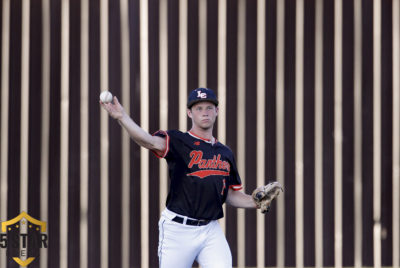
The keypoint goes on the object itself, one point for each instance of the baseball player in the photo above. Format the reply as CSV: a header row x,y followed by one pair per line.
x,y
203,176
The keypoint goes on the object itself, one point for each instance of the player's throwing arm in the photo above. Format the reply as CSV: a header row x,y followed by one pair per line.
x,y
141,137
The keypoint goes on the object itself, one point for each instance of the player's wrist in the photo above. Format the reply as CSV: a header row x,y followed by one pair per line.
x,y
122,117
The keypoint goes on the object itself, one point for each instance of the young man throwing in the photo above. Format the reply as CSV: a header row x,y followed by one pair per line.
x,y
203,176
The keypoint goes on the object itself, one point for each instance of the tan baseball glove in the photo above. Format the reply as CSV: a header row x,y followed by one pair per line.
x,y
264,195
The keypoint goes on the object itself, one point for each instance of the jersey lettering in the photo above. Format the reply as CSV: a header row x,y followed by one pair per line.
x,y
214,166
215,163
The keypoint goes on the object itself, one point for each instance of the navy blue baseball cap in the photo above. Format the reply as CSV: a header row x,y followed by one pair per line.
x,y
201,94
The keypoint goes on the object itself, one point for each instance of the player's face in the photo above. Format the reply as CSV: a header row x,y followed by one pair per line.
x,y
203,114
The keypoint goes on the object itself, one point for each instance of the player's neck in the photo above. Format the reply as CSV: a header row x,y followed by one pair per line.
x,y
202,133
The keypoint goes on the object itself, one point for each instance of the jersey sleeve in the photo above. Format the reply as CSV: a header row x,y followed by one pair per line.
x,y
163,134
235,183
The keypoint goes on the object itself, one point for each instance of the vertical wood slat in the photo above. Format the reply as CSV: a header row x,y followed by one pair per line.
x,y
64,140
54,135
35,101
261,11
163,94
377,132
222,66
338,133
135,168
211,48
95,143
347,126
386,58
299,138
24,105
144,121
289,130
358,134
125,186
241,101
173,66
328,117
115,149
5,73
183,62
202,43
74,134
396,134
367,133
280,114
221,125
45,157
154,162
250,141
309,132
231,138
104,147
84,150
318,134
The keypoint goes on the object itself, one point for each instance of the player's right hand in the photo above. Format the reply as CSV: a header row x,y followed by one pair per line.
x,y
114,108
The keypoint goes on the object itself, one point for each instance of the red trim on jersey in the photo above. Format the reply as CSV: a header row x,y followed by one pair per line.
x,y
209,172
198,137
166,144
236,187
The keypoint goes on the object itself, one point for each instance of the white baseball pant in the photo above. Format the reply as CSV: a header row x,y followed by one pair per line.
x,y
179,245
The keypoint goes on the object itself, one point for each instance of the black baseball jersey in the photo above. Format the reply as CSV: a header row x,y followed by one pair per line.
x,y
201,174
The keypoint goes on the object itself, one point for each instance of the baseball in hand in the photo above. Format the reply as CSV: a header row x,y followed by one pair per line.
x,y
106,96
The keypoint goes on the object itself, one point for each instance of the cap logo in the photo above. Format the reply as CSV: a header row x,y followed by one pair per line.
x,y
201,95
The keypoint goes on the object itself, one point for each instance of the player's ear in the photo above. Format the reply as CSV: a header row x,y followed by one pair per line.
x,y
216,110
189,113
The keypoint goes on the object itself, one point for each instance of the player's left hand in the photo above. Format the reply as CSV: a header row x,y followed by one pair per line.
x,y
264,195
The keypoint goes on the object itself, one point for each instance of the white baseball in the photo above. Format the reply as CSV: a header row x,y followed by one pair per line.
x,y
106,96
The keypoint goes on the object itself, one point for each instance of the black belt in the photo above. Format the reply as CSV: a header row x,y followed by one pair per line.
x,y
179,219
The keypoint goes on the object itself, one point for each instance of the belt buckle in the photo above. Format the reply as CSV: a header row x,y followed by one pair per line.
x,y
199,222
